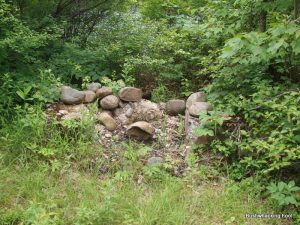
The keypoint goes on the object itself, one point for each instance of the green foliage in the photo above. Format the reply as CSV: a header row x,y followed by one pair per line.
x,y
23,53
131,37
252,79
173,48
210,122
115,85
284,193
33,135
35,214
186,87
32,193
171,9
72,64
273,47
42,90
161,94
266,138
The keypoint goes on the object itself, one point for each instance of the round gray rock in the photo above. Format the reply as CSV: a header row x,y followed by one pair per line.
x,y
93,86
140,130
71,96
130,94
199,107
109,102
196,97
103,92
175,107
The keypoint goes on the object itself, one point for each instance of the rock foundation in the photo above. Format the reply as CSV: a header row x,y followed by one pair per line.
x,y
169,127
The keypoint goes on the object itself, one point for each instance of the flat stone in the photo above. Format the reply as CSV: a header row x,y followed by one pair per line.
x,y
140,130
103,92
154,160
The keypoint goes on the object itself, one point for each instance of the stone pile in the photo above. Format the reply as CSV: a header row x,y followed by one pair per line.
x,y
128,110
126,114
125,108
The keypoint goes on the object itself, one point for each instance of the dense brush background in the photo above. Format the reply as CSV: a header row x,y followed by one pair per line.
x,y
243,53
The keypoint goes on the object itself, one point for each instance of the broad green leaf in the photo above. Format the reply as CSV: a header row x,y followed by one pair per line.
x,y
296,46
281,186
290,200
21,95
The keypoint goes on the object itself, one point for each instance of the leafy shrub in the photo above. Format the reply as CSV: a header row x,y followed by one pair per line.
x,y
41,90
24,53
210,123
115,85
161,94
72,64
250,82
284,193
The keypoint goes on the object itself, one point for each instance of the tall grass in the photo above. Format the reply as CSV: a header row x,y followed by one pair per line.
x,y
50,175
35,194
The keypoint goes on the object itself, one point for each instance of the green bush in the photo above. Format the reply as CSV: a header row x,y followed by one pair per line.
x,y
251,83
284,193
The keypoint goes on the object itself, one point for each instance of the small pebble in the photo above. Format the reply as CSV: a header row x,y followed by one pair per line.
x,y
108,135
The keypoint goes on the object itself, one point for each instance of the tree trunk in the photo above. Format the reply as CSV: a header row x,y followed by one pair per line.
x,y
296,9
21,4
263,21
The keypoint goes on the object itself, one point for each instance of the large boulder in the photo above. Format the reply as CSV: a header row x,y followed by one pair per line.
x,y
93,86
145,110
71,96
103,92
196,97
90,96
175,107
109,102
140,130
130,94
198,107
109,122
